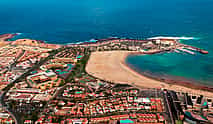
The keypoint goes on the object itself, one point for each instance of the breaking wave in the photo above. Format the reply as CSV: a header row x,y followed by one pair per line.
x,y
175,38
18,33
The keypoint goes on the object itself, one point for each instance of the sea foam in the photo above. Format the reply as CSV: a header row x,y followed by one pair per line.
x,y
19,33
175,38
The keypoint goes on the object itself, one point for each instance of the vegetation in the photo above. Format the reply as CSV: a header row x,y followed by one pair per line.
x,y
79,68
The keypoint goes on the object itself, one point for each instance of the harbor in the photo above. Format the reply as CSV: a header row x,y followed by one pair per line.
x,y
152,46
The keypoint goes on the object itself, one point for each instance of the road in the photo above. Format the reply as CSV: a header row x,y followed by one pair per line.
x,y
14,114
166,95
9,111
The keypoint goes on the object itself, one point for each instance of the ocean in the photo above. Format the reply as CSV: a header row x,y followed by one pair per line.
x,y
71,21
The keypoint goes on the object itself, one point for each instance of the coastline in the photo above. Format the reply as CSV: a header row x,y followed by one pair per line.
x,y
104,70
6,37
183,82
119,59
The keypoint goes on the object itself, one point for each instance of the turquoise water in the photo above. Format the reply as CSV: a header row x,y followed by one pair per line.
x,y
67,21
78,57
69,68
176,66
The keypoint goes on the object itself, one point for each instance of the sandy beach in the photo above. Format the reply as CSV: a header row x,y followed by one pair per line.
x,y
110,65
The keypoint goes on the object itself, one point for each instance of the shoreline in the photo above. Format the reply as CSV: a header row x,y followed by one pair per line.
x,y
129,75
170,80
6,37
159,82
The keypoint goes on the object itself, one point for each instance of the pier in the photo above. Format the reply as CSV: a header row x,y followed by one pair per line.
x,y
196,49
187,51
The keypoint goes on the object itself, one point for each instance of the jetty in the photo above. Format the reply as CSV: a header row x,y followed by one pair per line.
x,y
196,49
177,51
185,50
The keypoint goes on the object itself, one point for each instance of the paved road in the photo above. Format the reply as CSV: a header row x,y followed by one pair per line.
x,y
168,104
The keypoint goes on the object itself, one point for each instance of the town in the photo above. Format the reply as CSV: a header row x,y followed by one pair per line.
x,y
47,84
